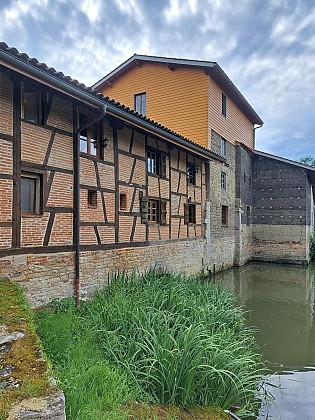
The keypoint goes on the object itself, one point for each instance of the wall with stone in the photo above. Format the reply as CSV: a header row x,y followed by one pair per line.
x,y
243,206
222,238
281,211
47,276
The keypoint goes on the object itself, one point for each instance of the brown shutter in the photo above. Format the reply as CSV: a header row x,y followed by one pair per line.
x,y
144,210
163,165
186,213
163,212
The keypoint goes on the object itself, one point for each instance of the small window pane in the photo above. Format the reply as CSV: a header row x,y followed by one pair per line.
x,y
223,147
224,215
83,144
152,162
153,211
31,105
191,174
223,180
28,195
140,103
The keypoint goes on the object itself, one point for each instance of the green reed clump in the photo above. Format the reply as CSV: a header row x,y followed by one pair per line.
x,y
156,338
181,340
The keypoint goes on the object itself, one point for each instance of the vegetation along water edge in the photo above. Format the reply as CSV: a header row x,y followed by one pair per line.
x,y
149,341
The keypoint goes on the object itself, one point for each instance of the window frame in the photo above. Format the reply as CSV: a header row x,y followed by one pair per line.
x,y
223,147
38,193
223,181
191,173
190,211
160,163
87,136
92,199
143,102
154,202
123,201
29,89
146,206
224,216
224,104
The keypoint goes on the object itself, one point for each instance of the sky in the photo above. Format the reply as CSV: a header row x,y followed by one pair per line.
x,y
266,47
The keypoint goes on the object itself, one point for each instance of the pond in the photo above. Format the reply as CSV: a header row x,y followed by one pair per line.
x,y
279,300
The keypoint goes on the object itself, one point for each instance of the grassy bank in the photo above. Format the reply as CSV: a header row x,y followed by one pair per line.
x,y
159,338
27,376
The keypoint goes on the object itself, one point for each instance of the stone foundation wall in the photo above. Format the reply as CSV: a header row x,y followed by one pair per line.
x,y
281,243
48,276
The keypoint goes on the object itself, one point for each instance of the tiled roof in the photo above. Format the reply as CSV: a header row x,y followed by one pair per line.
x,y
112,104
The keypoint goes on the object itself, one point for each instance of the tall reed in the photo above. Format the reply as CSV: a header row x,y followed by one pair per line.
x,y
181,340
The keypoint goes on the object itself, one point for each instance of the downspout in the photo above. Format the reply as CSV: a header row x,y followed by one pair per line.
x,y
76,198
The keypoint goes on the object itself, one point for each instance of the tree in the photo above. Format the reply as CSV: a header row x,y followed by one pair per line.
x,y
308,160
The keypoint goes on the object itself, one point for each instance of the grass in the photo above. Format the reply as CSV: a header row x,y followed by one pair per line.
x,y
30,369
158,338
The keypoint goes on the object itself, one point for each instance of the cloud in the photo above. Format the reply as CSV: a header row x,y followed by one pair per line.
x,y
267,48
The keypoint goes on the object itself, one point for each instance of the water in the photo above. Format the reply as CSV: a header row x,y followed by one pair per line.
x,y
279,300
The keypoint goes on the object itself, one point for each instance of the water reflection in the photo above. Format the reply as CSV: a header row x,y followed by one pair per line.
x,y
279,300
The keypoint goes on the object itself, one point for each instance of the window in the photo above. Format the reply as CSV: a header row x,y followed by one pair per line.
x,y
248,215
140,103
152,162
89,138
191,174
223,104
31,186
123,202
32,108
153,211
223,180
189,213
156,163
223,147
92,198
225,214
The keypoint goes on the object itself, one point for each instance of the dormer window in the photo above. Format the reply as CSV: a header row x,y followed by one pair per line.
x,y
140,104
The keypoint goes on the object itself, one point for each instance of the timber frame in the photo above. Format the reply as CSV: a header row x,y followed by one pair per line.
x,y
50,149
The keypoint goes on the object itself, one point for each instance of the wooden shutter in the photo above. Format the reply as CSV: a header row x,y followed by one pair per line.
x,y
163,212
186,213
163,165
144,210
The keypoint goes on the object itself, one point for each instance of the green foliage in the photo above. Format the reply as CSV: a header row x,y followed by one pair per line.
x,y
308,160
181,341
93,389
62,305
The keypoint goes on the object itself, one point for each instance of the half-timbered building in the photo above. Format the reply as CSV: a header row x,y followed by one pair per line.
x,y
89,187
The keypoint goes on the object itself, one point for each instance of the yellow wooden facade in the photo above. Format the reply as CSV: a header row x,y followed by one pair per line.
x,y
183,98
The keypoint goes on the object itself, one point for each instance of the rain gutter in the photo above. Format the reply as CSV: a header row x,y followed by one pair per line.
x,y
90,98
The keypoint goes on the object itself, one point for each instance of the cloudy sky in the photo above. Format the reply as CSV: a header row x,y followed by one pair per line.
x,y
267,48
